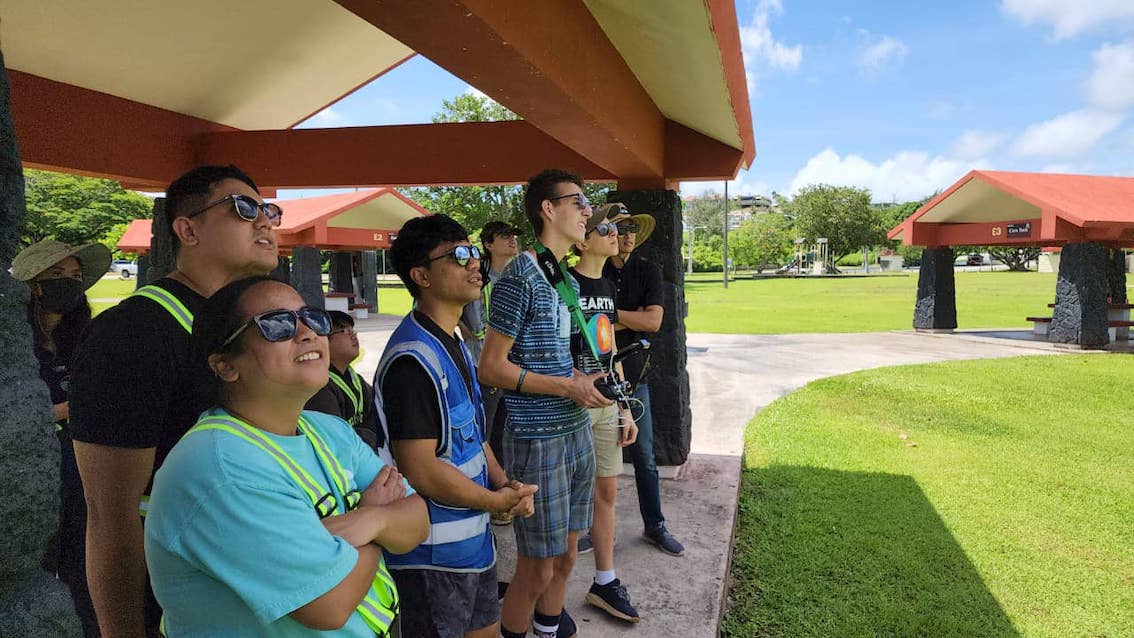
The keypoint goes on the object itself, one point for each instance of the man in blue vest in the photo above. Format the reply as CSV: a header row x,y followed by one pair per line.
x,y
136,386
435,416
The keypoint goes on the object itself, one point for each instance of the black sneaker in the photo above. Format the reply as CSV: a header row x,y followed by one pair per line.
x,y
664,541
585,545
613,599
566,626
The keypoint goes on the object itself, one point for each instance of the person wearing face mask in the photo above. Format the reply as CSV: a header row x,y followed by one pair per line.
x,y
58,277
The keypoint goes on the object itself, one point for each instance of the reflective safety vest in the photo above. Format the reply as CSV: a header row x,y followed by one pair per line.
x,y
184,318
353,390
459,538
380,605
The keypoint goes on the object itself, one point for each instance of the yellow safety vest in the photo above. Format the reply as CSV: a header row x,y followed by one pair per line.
x,y
184,318
380,605
353,392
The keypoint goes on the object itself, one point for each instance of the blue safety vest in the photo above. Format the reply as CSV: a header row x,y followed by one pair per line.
x,y
459,538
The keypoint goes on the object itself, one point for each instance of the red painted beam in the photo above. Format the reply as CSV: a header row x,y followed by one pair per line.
x,y
70,129
722,13
549,62
405,155
339,239
693,156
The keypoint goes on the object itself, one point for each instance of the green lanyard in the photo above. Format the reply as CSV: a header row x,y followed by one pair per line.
x,y
556,273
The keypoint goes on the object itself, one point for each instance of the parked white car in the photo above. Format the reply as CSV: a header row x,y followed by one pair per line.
x,y
125,269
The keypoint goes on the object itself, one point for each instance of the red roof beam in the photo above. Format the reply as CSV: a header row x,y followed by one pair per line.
x,y
549,62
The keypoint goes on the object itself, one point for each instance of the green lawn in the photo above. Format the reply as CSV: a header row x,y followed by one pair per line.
x,y
859,304
976,498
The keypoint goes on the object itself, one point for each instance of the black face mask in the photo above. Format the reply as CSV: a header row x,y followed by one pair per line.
x,y
60,295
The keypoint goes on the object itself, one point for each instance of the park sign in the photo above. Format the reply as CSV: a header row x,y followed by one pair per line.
x,y
1023,229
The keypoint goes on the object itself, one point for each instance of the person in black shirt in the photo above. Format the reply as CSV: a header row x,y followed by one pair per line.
x,y
612,426
346,395
57,276
137,388
640,312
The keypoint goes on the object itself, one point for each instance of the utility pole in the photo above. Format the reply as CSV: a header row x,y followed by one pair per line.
x,y
725,259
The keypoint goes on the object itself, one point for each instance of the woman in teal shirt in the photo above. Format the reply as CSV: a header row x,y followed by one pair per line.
x,y
267,520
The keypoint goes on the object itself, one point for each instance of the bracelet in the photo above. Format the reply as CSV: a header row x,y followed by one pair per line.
x,y
520,382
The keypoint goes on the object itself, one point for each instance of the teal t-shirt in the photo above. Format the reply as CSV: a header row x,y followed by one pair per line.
x,y
234,545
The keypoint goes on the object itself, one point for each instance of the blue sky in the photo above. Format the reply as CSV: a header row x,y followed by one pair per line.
x,y
899,97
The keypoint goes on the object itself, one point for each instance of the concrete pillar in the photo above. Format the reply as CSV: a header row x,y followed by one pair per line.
x,y
936,307
32,601
669,382
342,275
370,279
162,258
1116,276
143,271
306,275
1081,291
283,270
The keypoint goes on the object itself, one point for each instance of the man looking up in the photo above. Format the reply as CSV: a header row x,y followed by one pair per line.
x,y
432,402
346,395
640,312
136,386
547,439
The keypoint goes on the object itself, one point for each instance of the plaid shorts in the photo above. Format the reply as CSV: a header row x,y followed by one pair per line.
x,y
564,469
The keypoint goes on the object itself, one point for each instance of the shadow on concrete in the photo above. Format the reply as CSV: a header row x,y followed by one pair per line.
x,y
822,552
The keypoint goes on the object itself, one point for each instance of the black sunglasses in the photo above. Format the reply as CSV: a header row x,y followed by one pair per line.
x,y
604,229
627,228
462,254
280,325
247,208
580,200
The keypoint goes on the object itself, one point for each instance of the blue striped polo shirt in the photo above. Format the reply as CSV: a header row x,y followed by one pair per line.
x,y
527,308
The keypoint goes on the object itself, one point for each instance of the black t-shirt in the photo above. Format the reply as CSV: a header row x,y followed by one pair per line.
x,y
639,285
333,400
409,398
596,296
135,382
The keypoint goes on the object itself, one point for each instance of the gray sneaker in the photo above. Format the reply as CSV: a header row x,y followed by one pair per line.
x,y
664,541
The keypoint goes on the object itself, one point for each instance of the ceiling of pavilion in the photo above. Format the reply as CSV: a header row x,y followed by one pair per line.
x,y
269,64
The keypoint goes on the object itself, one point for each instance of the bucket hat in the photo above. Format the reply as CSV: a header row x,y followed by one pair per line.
x,y
94,260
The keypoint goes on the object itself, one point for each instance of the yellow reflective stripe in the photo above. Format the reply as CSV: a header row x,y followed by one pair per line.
x,y
144,506
355,396
338,474
302,478
169,302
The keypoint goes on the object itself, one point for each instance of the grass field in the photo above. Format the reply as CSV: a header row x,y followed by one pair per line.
x,y
959,499
781,306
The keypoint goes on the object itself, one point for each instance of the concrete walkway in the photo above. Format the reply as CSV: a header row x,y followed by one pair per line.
x,y
732,377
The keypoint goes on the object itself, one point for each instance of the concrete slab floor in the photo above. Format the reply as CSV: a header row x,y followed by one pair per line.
x,y
731,377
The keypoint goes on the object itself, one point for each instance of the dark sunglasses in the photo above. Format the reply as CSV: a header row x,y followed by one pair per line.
x,y
247,208
627,228
462,254
280,325
580,200
604,229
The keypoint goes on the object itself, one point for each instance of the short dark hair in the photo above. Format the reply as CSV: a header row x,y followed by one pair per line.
x,y
340,319
190,192
541,187
217,319
417,238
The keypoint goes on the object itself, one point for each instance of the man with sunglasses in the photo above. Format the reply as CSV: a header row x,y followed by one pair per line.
x,y
347,395
433,407
137,388
640,311
547,439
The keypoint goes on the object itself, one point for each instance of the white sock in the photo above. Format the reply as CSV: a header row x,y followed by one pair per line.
x,y
545,630
604,576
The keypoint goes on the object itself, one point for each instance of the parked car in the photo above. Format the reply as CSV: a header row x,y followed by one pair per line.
x,y
971,259
125,268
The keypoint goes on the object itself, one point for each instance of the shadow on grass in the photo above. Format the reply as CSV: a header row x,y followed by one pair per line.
x,y
831,553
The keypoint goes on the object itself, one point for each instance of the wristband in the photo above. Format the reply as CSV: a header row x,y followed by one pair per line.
x,y
520,382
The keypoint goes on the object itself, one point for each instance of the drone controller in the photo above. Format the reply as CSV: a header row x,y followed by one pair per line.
x,y
612,386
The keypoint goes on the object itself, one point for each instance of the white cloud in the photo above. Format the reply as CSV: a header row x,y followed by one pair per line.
x,y
1067,135
761,48
327,117
744,184
1071,17
973,143
1111,86
880,52
906,176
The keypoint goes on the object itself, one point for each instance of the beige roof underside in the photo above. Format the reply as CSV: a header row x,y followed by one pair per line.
x,y
670,46
267,64
250,64
978,201
387,212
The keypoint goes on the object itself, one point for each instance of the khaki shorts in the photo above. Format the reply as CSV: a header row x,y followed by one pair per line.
x,y
604,425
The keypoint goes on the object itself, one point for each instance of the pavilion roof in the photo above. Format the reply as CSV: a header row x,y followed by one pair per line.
x,y
1001,207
